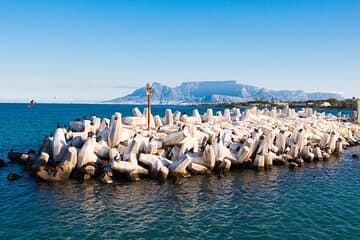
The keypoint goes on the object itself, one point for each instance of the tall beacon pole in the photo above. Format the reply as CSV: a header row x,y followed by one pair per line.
x,y
148,93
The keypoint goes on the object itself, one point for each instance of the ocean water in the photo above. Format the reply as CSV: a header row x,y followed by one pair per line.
x,y
318,201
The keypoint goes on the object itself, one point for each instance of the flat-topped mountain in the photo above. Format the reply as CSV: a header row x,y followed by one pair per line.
x,y
218,91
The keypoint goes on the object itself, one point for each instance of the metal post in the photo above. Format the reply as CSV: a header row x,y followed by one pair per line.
x,y
358,110
148,93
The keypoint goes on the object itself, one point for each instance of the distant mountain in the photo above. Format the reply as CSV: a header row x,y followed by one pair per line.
x,y
217,91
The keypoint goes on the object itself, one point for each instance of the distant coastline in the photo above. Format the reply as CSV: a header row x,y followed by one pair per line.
x,y
317,104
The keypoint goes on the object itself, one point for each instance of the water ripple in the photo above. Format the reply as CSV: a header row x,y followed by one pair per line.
x,y
319,200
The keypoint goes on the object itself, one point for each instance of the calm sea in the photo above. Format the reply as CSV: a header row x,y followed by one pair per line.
x,y
318,201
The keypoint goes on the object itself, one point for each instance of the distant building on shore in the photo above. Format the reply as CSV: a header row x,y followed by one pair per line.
x,y
325,104
282,104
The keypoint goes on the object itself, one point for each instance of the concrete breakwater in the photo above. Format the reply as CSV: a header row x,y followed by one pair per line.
x,y
180,145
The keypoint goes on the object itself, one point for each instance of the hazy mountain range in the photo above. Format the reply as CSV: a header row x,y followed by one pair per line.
x,y
217,91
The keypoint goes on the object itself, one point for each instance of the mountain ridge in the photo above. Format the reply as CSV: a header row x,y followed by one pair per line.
x,y
218,91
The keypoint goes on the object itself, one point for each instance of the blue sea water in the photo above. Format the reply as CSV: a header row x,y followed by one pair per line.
x,y
318,201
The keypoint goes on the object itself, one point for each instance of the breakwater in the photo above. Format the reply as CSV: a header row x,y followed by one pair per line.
x,y
179,145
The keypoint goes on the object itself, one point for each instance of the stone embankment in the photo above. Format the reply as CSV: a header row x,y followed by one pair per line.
x,y
180,145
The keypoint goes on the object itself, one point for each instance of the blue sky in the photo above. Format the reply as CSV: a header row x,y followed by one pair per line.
x,y
96,50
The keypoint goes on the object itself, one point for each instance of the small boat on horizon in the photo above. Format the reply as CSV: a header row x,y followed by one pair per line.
x,y
31,103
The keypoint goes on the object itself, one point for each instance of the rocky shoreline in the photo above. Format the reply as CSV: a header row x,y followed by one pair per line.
x,y
178,145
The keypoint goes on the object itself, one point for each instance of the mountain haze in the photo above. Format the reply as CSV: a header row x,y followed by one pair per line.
x,y
218,91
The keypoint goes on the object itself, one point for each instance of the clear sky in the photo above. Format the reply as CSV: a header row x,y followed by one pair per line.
x,y
95,50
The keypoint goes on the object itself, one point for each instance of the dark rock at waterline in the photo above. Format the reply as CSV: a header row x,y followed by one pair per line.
x,y
280,161
18,157
133,177
86,177
3,163
299,161
90,170
177,180
13,176
293,165
106,177
356,155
